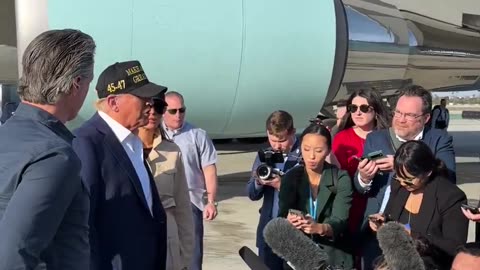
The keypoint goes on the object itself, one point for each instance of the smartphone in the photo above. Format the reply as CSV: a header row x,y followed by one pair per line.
x,y
375,155
473,210
296,212
371,156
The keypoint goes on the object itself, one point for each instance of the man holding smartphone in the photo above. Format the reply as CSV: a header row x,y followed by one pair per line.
x,y
281,137
411,113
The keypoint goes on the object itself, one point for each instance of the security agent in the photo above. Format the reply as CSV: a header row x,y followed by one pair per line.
x,y
127,219
281,137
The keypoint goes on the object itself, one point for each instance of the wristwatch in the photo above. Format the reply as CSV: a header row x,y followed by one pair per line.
x,y
213,202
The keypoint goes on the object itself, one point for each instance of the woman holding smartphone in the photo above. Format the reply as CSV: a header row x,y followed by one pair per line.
x,y
424,200
322,192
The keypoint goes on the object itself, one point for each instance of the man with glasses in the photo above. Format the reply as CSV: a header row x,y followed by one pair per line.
x,y
411,113
199,157
127,219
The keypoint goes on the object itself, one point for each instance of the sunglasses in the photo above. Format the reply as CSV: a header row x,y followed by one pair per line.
x,y
159,106
364,108
174,111
406,181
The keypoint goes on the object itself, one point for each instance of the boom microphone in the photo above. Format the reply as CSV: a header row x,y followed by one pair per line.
x,y
293,246
398,248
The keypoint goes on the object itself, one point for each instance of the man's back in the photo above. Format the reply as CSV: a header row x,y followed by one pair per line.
x,y
43,205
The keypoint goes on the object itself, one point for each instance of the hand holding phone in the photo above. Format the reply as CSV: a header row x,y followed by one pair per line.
x,y
472,209
296,212
376,221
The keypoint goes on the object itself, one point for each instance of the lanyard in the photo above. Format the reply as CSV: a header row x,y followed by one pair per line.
x,y
313,205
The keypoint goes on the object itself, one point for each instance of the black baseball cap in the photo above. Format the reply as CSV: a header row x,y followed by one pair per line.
x,y
128,78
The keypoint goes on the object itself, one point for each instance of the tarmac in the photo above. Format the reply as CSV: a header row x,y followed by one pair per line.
x,y
236,223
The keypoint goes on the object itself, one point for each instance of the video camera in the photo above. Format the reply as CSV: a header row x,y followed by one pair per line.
x,y
268,158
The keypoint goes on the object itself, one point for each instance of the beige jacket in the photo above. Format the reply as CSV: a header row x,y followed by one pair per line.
x,y
169,174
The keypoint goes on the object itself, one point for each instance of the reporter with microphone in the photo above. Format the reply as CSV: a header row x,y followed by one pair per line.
x,y
323,193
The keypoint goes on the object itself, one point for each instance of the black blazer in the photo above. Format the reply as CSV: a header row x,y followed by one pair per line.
x,y
440,219
123,233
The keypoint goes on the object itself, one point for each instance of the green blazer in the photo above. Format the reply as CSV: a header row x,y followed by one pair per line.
x,y
332,209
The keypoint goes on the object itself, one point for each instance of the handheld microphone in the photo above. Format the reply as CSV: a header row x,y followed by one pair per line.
x,y
251,259
293,246
398,247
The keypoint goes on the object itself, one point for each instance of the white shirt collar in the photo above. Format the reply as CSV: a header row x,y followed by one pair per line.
x,y
120,131
173,131
417,138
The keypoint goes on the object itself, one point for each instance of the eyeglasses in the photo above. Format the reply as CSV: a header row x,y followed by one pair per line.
x,y
408,116
174,111
364,108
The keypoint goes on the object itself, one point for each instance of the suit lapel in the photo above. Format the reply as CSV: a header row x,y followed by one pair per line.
x,y
154,154
427,209
398,199
324,189
116,148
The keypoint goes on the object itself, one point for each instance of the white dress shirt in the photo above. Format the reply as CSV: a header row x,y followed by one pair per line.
x,y
134,148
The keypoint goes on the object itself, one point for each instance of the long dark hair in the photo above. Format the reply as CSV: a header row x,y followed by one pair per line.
x,y
417,159
382,117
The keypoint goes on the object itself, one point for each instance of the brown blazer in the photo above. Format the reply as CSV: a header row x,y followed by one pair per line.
x,y
169,175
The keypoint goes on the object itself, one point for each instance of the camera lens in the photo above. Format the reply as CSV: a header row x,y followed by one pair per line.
x,y
264,172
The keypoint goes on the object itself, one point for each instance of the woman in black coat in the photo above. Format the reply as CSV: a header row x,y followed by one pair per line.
x,y
424,200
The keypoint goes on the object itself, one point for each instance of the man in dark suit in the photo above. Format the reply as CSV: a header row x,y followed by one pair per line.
x,y
373,178
281,137
43,203
127,220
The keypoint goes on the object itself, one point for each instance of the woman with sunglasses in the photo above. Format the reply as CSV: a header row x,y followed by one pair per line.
x,y
424,200
365,112
165,161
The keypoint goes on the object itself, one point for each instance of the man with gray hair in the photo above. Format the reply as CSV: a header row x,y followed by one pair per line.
x,y
128,229
43,204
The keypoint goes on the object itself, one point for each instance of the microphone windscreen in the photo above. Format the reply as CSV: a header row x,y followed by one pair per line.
x,y
293,246
251,259
398,247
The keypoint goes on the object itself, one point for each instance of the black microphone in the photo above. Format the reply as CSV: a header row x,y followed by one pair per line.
x,y
293,246
251,259
398,247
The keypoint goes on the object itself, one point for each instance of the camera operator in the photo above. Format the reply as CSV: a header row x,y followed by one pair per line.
x,y
281,137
